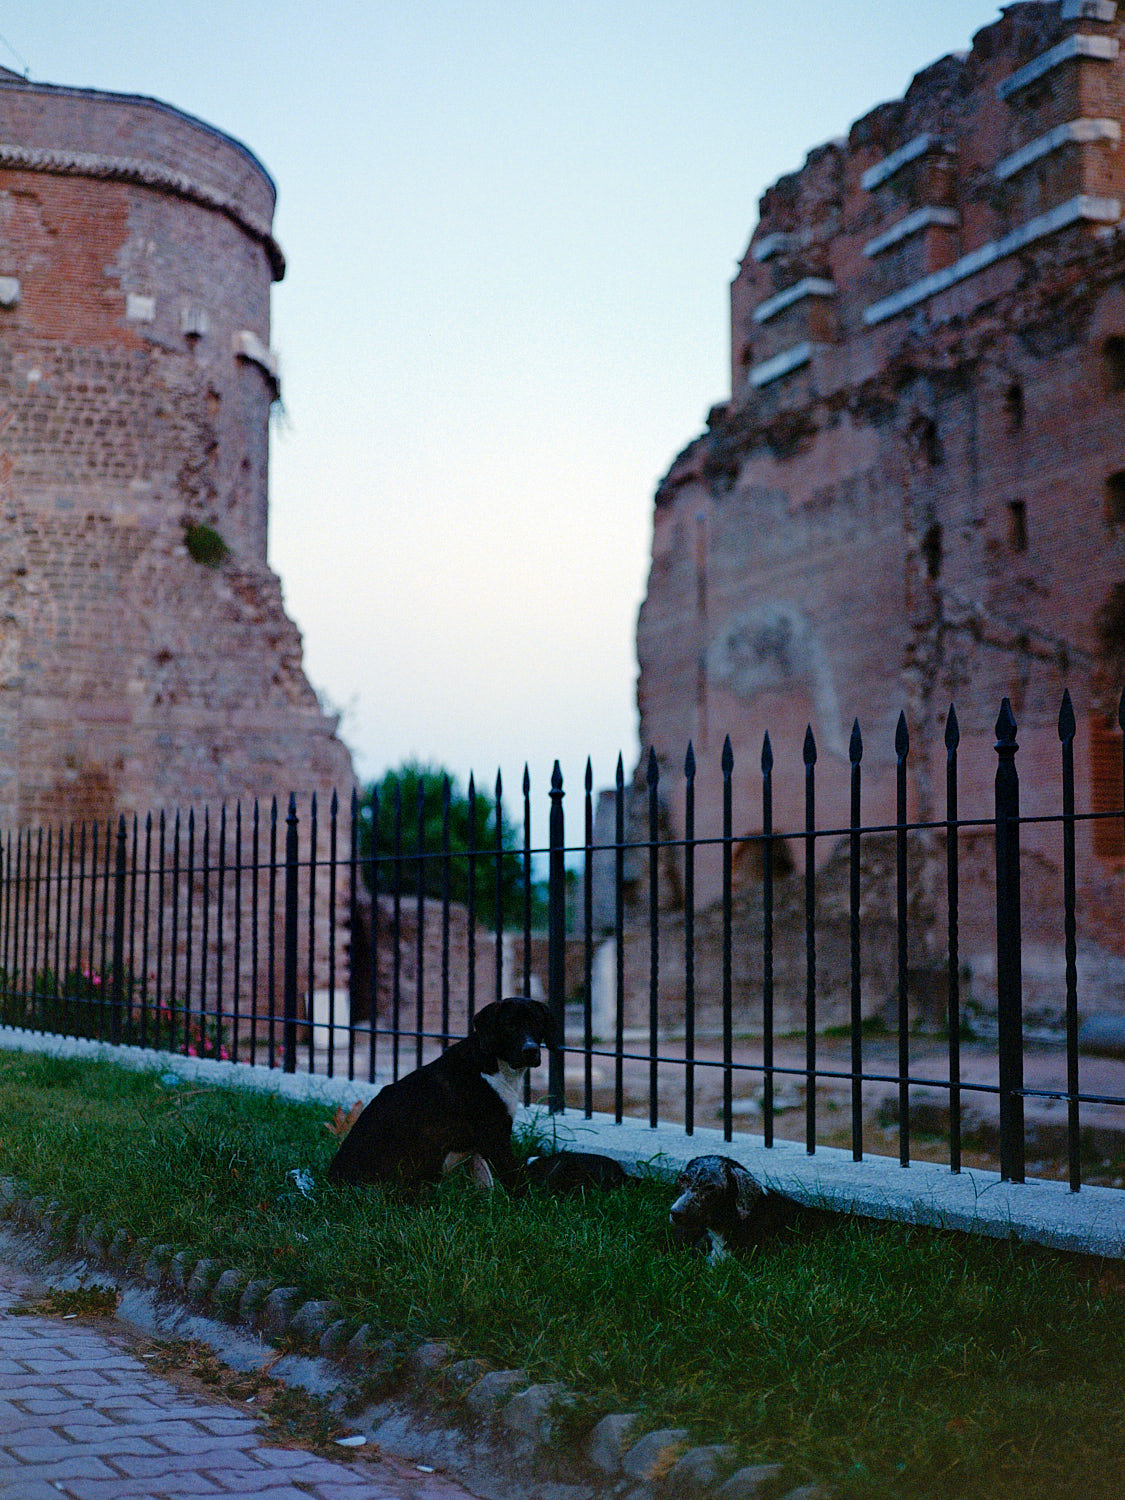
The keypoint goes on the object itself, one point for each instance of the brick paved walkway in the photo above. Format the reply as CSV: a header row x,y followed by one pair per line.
x,y
81,1416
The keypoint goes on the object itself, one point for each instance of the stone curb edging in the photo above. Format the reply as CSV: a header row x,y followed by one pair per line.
x,y
656,1465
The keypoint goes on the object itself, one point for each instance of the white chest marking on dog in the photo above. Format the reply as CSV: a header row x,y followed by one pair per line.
x,y
719,1249
508,1084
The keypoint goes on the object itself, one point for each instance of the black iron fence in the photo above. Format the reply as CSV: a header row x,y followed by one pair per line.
x,y
277,937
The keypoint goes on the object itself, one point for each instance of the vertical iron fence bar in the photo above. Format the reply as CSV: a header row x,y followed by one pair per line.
x,y
189,928
809,754
130,1023
106,954
652,778
767,940
1067,728
20,956
728,939
271,936
420,949
333,834
57,1009
93,1000
201,1046
6,861
619,943
526,989
556,942
446,898
158,997
255,917
953,893
119,898
289,985
498,892
902,748
236,978
5,896
353,911
146,917
689,940
36,980
588,947
396,927
174,948
310,984
471,917
373,1007
221,1014
1009,979
78,986
855,755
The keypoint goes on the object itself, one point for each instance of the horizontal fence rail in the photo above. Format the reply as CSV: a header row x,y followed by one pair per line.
x,y
363,942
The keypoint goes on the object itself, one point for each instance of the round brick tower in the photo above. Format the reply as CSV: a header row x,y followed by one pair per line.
x,y
146,660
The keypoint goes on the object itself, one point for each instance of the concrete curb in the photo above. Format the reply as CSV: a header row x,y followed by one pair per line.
x,y
525,1423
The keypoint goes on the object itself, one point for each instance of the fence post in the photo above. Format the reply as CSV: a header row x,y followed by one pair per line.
x,y
1009,979
556,939
118,999
289,986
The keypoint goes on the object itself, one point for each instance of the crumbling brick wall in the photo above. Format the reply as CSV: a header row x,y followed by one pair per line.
x,y
915,494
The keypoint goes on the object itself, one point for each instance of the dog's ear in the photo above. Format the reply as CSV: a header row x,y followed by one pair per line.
x,y
484,1028
747,1193
548,1026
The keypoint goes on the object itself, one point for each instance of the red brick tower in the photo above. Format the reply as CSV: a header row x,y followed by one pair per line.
x,y
146,660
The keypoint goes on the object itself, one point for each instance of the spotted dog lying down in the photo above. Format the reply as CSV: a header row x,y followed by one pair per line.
x,y
457,1108
722,1208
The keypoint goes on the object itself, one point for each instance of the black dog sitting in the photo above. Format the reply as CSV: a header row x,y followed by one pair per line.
x,y
461,1105
722,1207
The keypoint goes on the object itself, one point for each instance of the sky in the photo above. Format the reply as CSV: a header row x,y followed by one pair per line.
x,y
511,228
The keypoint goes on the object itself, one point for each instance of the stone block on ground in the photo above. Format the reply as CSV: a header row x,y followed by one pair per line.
x,y
531,1413
754,1482
651,1458
491,1390
696,1472
610,1439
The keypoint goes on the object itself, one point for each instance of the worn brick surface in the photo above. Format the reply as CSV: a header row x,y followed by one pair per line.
x,y
929,506
131,1433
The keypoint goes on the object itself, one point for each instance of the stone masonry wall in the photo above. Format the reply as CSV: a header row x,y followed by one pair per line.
x,y
136,384
915,494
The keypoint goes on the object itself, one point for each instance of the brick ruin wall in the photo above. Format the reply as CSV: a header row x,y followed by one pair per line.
x,y
915,494
136,383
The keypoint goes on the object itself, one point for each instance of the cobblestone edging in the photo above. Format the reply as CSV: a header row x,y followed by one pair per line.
x,y
528,1421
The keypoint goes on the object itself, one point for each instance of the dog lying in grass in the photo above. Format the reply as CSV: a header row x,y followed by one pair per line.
x,y
568,1172
456,1108
722,1208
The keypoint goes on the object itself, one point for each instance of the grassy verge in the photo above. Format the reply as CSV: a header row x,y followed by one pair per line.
x,y
883,1360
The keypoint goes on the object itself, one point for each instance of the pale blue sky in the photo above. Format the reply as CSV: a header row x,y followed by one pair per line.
x,y
511,227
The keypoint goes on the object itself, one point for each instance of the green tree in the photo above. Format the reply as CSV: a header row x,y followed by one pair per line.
x,y
416,826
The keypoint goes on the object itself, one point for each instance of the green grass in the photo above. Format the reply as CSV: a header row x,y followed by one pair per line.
x,y
883,1360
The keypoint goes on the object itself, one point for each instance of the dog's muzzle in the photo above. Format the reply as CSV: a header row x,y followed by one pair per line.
x,y
529,1055
683,1212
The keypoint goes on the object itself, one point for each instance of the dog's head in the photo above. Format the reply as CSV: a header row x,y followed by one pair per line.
x,y
512,1031
716,1193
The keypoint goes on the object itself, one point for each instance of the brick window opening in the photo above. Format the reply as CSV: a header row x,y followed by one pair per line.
x,y
1017,525
1113,363
1115,498
931,550
1105,788
1013,407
